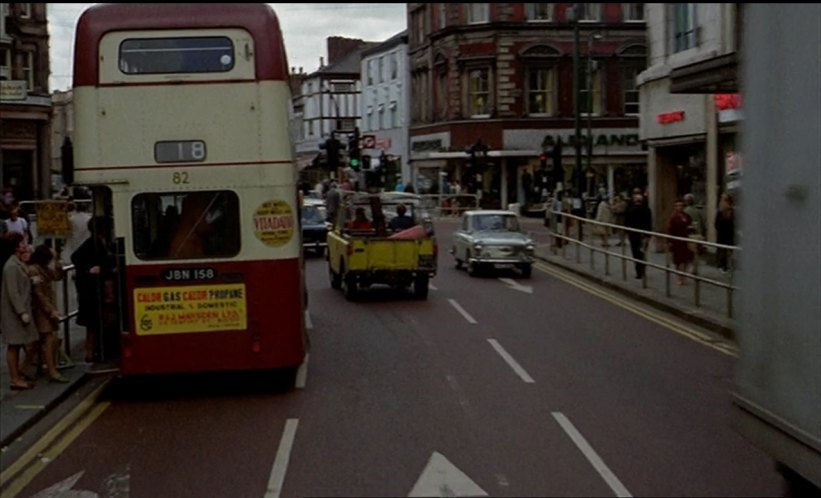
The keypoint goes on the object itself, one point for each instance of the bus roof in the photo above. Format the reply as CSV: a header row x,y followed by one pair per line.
x,y
256,18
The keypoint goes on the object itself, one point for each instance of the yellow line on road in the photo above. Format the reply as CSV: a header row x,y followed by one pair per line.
x,y
45,441
43,460
659,319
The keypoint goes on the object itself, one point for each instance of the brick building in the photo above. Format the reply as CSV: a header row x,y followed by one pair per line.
x,y
502,73
25,103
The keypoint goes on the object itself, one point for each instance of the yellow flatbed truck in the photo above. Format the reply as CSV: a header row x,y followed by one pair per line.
x,y
367,249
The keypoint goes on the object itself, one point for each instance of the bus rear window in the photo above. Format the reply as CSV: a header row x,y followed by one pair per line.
x,y
186,225
212,54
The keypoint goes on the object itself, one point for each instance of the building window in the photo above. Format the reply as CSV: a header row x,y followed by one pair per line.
x,y
684,26
380,71
541,88
28,70
394,115
539,11
442,93
590,12
631,90
5,64
479,92
381,117
370,72
419,23
633,11
478,13
25,10
394,66
443,15
590,97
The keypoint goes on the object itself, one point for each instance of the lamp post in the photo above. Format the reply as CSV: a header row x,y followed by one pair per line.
x,y
592,36
572,14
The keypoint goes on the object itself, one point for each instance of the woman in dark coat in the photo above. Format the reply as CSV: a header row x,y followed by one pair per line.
x,y
94,264
679,226
725,230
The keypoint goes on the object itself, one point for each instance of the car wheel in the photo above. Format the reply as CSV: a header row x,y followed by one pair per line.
x,y
473,268
458,261
420,287
526,270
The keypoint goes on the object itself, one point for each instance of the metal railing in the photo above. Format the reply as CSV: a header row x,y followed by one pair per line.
x,y
579,243
67,315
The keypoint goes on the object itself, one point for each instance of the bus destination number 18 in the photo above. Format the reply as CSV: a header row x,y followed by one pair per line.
x,y
188,274
184,151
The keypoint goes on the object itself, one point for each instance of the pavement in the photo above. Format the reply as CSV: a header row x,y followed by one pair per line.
x,y
20,410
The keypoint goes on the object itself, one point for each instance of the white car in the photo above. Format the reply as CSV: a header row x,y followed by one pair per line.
x,y
492,239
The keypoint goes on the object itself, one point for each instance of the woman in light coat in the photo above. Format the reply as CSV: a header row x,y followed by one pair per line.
x,y
604,214
44,270
16,320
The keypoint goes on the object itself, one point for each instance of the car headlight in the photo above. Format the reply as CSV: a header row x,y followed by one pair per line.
x,y
478,246
530,247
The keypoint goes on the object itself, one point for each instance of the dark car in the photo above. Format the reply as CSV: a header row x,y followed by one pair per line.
x,y
314,229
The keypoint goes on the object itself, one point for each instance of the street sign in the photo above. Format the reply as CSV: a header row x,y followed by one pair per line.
x,y
368,141
52,218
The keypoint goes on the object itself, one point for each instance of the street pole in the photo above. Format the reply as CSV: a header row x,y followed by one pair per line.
x,y
589,108
577,100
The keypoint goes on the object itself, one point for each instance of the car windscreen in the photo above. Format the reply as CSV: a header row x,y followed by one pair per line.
x,y
496,222
312,216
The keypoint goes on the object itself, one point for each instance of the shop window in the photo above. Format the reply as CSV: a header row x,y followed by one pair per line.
x,y
5,64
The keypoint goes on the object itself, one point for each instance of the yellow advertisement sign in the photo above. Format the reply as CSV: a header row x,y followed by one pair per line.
x,y
274,223
195,308
52,218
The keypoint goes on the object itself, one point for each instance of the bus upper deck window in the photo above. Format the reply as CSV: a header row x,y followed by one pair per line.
x,y
211,54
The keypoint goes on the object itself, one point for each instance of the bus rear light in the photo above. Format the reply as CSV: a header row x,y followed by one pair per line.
x,y
256,347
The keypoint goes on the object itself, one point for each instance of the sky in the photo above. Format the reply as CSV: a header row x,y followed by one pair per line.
x,y
305,28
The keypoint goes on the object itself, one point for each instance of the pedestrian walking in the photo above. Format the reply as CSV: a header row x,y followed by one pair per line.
x,y
16,321
725,230
45,268
639,217
604,214
679,226
618,209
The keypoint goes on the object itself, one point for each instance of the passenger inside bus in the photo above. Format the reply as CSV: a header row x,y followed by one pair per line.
x,y
189,239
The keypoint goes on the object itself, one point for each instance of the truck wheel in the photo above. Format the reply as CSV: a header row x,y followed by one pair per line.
x,y
336,279
526,270
349,287
420,287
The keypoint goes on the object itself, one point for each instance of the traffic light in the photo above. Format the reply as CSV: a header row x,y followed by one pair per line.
x,y
332,151
354,154
543,160
366,162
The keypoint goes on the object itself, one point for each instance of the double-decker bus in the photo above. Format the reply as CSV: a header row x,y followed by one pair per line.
x,y
182,133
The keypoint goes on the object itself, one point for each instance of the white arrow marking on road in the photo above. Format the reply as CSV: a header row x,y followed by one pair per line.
x,y
302,373
442,478
63,489
432,287
280,467
516,286
308,323
461,311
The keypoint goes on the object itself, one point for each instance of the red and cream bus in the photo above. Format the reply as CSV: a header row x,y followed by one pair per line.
x,y
182,133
